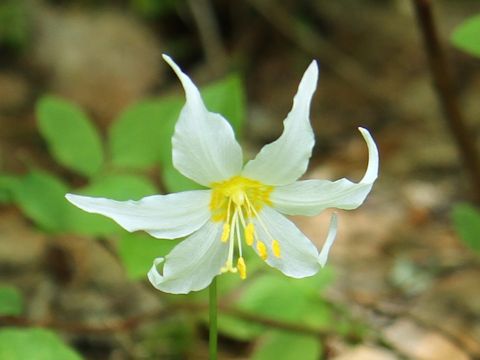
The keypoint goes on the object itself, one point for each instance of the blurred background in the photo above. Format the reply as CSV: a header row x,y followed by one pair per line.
x,y
87,105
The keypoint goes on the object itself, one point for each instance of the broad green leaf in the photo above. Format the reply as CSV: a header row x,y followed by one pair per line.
x,y
153,8
137,252
71,137
313,285
38,344
274,296
41,197
120,187
227,97
15,23
287,346
467,36
176,182
141,137
11,302
7,182
318,315
466,220
117,187
239,329
143,132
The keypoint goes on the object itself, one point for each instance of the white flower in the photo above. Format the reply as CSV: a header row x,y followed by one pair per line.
x,y
244,204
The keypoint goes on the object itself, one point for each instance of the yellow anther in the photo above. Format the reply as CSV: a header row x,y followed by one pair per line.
x,y
242,268
262,250
249,234
226,232
276,248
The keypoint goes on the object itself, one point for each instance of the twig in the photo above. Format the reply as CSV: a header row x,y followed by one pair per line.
x,y
445,92
209,35
274,323
133,322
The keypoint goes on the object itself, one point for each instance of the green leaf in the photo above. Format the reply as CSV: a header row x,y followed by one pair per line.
x,y
15,23
7,182
137,252
117,187
71,137
120,187
313,285
275,296
41,197
287,346
466,220
11,302
318,315
236,328
176,182
271,295
466,36
38,344
142,135
227,97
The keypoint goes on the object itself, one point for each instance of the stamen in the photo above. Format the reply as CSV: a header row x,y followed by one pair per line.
x,y
226,232
239,239
249,234
262,224
276,248
262,250
232,242
242,268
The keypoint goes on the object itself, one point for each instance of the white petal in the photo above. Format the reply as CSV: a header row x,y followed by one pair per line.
x,y
162,216
204,145
299,256
286,159
310,197
193,263
332,233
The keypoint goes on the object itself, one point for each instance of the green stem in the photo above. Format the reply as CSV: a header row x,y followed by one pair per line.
x,y
213,340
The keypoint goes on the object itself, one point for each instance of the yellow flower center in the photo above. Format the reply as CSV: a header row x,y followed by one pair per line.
x,y
236,202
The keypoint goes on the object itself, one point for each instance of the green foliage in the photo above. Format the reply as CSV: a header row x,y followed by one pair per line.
x,y
137,252
287,346
227,97
71,137
467,36
176,182
274,296
120,187
141,137
153,8
41,197
113,186
11,302
14,24
466,220
6,184
38,344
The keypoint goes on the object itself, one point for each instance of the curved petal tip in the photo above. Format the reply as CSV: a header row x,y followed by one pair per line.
x,y
372,169
332,233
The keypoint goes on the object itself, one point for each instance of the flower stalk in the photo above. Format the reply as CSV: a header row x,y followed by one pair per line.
x,y
212,305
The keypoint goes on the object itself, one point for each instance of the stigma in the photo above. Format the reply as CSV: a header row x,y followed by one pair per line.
x,y
237,203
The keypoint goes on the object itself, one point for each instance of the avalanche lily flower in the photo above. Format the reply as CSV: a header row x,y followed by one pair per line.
x,y
244,205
